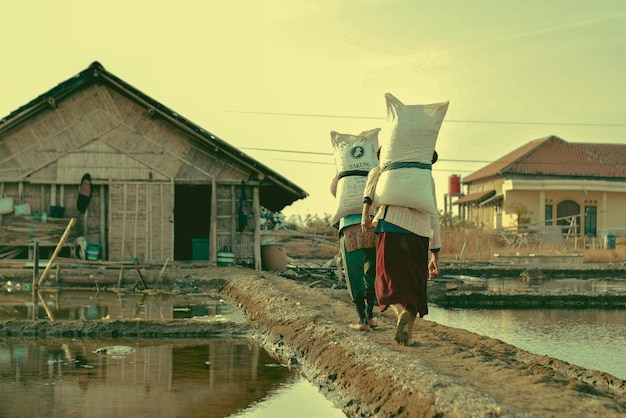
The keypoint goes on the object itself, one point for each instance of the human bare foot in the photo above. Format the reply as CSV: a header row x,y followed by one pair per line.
x,y
372,323
360,327
402,335
409,326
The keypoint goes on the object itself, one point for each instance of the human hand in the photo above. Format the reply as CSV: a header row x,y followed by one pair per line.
x,y
366,224
433,267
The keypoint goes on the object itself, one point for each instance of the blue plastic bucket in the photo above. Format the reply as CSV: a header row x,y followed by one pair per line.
x,y
93,251
609,242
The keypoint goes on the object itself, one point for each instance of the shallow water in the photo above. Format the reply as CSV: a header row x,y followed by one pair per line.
x,y
69,378
591,338
554,285
209,378
212,378
93,305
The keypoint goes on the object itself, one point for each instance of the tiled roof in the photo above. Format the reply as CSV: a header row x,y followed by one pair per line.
x,y
554,157
475,197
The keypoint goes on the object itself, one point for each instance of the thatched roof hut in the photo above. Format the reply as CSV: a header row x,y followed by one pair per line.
x,y
162,187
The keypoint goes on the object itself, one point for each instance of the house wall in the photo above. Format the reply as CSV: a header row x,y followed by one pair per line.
x,y
535,195
135,158
614,211
514,200
611,218
484,217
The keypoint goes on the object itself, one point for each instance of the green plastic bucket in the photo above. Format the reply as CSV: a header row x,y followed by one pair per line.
x,y
225,259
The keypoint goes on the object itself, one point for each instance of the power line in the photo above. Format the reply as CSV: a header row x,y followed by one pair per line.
x,y
290,151
487,122
331,154
325,163
304,161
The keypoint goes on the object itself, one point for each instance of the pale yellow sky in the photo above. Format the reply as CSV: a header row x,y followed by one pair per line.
x,y
529,64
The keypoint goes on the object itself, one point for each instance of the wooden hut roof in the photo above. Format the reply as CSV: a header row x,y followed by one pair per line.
x,y
276,191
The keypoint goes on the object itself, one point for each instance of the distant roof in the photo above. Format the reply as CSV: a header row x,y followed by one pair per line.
x,y
553,157
276,191
477,197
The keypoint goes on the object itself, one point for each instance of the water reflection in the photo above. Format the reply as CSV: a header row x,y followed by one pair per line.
x,y
591,338
211,378
215,378
565,285
93,305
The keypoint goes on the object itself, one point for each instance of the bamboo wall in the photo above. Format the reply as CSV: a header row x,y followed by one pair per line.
x,y
140,216
134,159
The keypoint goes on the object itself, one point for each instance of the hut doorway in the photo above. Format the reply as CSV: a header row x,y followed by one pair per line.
x,y
192,209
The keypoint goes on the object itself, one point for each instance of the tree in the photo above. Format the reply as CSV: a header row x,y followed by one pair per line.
x,y
523,214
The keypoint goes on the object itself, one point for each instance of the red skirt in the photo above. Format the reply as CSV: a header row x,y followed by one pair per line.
x,y
402,271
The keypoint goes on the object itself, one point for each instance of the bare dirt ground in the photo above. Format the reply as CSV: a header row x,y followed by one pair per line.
x,y
447,372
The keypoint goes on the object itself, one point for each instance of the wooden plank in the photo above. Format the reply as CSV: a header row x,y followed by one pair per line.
x,y
124,202
66,234
213,224
233,214
1,195
172,194
158,280
104,247
148,225
109,216
257,228
136,226
53,195
161,221
85,222
132,255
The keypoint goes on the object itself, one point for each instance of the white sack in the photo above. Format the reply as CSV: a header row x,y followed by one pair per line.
x,y
410,136
354,155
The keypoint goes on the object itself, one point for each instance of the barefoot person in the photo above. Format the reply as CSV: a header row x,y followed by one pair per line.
x,y
404,238
358,250
355,156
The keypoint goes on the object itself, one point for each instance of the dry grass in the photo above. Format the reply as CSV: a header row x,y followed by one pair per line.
x,y
476,245
311,243
459,244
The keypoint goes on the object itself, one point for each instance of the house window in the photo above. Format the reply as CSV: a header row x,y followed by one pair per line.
x,y
548,217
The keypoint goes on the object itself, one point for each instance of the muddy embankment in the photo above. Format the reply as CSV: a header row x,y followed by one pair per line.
x,y
446,372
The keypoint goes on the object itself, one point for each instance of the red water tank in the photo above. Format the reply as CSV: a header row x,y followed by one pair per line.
x,y
454,185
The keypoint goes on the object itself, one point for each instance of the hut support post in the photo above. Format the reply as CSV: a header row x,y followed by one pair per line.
x,y
45,306
120,278
213,223
64,237
137,268
256,201
163,270
1,195
35,274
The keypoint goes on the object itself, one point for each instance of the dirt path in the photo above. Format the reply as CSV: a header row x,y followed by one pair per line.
x,y
448,373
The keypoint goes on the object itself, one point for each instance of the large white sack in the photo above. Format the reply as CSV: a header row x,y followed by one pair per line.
x,y
355,156
410,136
